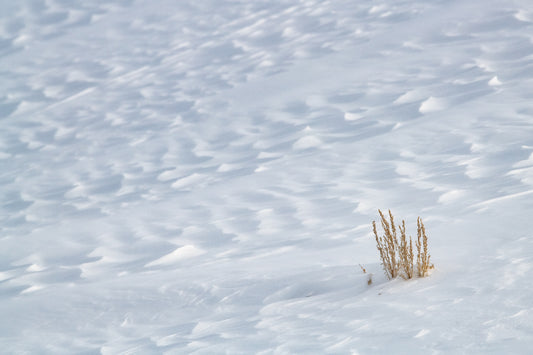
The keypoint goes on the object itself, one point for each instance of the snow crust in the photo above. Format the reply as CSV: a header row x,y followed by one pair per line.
x,y
200,177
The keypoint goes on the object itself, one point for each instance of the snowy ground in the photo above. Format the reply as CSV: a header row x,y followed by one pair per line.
x,y
199,176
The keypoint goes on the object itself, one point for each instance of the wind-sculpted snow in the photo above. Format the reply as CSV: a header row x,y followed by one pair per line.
x,y
201,176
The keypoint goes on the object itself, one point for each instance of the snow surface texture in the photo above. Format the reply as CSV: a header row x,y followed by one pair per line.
x,y
199,176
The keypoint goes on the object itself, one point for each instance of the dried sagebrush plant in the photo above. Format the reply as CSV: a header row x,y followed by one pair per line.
x,y
396,252
422,258
387,245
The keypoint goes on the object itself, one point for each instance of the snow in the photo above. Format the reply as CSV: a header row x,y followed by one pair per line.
x,y
182,177
307,142
495,81
184,252
432,104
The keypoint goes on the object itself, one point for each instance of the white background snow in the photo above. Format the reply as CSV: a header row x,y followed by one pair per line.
x,y
200,176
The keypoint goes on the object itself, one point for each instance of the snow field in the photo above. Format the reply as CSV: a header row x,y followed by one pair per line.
x,y
200,176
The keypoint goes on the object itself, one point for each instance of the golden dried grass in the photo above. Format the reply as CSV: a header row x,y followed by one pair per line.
x,y
422,259
396,252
